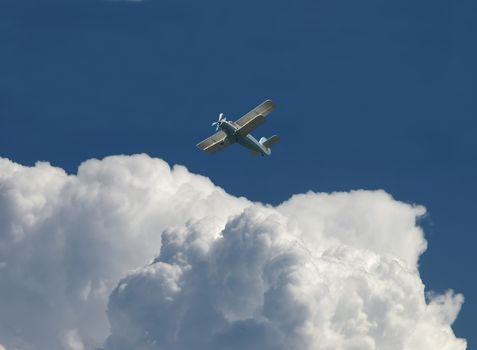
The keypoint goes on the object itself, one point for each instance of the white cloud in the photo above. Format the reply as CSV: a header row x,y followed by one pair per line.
x,y
268,283
72,340
65,241
319,271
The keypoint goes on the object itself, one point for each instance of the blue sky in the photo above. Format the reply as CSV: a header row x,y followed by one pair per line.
x,y
369,95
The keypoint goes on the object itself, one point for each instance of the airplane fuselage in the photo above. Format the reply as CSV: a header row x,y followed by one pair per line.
x,y
247,141
239,131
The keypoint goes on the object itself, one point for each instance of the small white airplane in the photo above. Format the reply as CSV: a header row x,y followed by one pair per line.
x,y
239,131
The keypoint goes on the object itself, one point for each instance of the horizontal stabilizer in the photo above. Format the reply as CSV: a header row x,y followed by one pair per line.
x,y
271,141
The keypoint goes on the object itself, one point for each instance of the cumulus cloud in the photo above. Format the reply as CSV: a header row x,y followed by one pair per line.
x,y
65,241
72,341
152,257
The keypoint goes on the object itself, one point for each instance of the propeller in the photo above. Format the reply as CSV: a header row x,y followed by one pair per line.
x,y
219,121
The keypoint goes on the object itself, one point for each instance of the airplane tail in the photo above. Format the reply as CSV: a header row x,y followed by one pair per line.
x,y
270,141
267,143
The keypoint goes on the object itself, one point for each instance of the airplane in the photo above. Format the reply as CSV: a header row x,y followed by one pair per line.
x,y
239,131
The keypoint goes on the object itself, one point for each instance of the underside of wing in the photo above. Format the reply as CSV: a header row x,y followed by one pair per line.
x,y
248,127
263,109
215,143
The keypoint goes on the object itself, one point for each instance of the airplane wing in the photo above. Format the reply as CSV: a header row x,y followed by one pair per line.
x,y
248,127
254,118
215,143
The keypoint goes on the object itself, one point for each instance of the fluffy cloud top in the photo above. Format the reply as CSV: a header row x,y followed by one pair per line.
x,y
151,257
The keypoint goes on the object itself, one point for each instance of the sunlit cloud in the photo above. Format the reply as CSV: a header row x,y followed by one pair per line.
x,y
130,253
